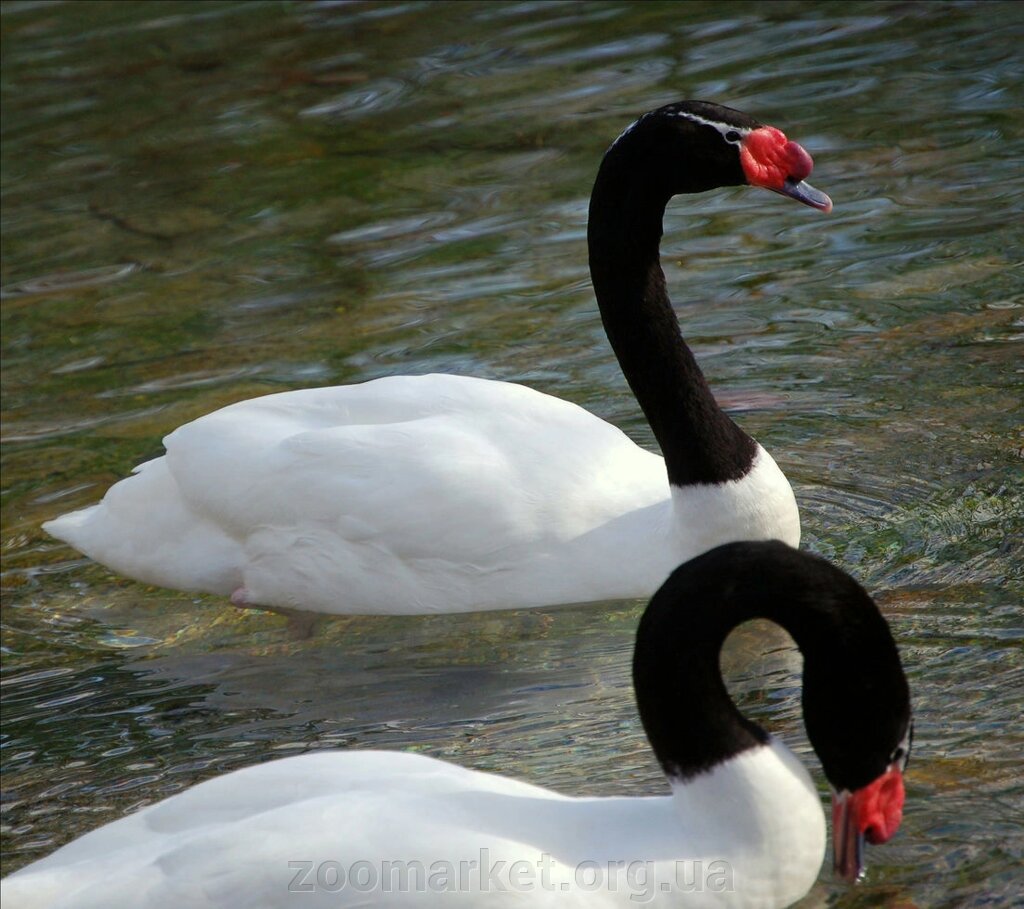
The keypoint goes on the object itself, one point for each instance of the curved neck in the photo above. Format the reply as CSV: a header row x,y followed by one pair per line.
x,y
701,444
854,692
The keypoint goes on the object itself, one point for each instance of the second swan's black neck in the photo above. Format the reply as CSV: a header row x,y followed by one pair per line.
x,y
856,702
701,444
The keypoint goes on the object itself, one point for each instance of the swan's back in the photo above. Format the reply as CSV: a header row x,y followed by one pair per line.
x,y
405,494
407,830
240,840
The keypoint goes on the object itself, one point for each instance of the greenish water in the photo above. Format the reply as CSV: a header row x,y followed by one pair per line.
x,y
205,202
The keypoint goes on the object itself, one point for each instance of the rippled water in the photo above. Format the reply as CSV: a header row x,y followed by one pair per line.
x,y
205,202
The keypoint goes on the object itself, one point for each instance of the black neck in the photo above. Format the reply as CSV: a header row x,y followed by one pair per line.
x,y
855,697
701,444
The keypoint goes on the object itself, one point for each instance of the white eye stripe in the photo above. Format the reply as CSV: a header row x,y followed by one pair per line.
x,y
723,128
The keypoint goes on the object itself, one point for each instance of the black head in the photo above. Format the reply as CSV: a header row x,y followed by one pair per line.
x,y
856,700
694,146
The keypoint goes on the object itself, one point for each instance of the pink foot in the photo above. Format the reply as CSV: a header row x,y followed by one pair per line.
x,y
242,598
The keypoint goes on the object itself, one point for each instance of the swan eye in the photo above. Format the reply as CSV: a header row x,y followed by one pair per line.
x,y
732,136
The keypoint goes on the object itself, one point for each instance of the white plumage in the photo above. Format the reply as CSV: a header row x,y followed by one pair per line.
x,y
750,833
415,494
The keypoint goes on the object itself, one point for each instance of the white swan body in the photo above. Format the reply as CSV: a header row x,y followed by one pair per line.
x,y
743,826
416,494
446,494
750,833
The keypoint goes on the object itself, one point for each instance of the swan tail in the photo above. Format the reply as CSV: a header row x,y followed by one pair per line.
x,y
145,529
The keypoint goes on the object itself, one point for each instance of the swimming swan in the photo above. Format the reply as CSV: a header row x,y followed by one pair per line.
x,y
439,493
742,826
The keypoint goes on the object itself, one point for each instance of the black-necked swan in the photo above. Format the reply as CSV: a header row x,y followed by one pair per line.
x,y
743,825
440,493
